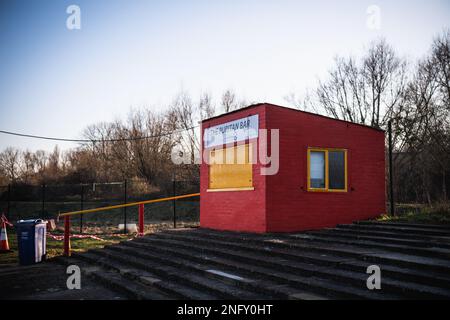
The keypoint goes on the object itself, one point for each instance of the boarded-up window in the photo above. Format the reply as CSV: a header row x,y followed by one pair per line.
x,y
231,168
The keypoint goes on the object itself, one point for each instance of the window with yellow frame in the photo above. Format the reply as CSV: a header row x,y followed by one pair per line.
x,y
327,170
230,169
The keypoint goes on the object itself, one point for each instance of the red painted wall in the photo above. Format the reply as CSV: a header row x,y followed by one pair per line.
x,y
281,202
290,207
234,210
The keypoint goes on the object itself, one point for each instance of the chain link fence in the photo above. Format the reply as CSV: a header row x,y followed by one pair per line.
x,y
47,201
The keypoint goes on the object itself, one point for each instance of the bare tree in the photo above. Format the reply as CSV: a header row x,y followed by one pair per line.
x,y
206,107
53,166
366,91
422,120
230,101
440,58
385,76
100,134
28,168
303,102
82,165
187,116
41,164
151,155
439,126
10,163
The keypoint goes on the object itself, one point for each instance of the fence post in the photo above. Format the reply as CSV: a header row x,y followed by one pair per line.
x,y
391,175
125,208
43,201
9,202
67,236
81,208
174,205
141,220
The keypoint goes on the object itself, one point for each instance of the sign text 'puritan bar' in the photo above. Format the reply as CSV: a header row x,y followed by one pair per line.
x,y
233,131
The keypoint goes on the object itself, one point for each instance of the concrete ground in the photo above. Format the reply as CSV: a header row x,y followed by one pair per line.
x,y
47,281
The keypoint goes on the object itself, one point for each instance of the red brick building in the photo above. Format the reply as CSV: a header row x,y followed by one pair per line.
x,y
329,171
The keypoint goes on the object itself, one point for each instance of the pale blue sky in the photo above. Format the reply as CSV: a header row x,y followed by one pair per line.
x,y
55,81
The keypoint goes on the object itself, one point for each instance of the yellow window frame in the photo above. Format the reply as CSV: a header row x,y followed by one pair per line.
x,y
325,151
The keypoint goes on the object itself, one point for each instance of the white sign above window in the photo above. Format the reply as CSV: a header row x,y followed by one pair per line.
x,y
233,131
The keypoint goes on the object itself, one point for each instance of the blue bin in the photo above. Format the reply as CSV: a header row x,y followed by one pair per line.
x,y
31,240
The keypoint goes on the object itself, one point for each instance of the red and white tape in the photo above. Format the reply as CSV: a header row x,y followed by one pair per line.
x,y
81,236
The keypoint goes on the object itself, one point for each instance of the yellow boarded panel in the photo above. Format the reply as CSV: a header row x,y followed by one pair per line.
x,y
231,167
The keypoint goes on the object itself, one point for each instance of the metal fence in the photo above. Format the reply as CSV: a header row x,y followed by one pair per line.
x,y
47,201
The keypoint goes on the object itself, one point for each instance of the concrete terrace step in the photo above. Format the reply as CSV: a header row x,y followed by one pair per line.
x,y
318,285
423,263
332,272
428,264
276,242
354,277
373,244
249,279
221,280
419,233
426,240
404,224
114,280
171,290
168,284
389,238
330,263
246,251
357,279
242,275
404,273
133,289
149,262
340,248
335,248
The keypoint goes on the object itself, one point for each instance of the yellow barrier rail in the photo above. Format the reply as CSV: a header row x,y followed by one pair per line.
x,y
118,206
67,215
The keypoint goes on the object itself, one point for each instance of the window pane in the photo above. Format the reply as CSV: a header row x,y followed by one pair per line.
x,y
336,167
317,169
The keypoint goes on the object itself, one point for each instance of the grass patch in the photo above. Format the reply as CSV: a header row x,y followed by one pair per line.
x,y
55,247
108,233
437,214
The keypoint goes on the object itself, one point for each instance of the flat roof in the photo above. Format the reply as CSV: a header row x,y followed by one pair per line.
x,y
292,109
